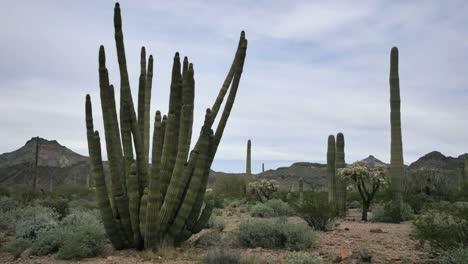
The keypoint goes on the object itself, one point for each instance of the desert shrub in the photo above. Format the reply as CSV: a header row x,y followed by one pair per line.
x,y
261,210
302,258
7,204
4,191
454,256
229,186
280,208
209,239
354,205
263,190
217,212
72,192
243,210
29,221
16,247
316,212
216,222
442,230
236,203
418,201
271,234
83,235
83,204
47,241
389,214
222,255
60,205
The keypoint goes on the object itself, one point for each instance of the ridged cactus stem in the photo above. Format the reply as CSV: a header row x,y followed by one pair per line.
x,y
94,149
340,185
331,172
396,149
248,166
36,162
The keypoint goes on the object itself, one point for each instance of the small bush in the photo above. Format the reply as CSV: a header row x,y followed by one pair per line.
x,y
29,221
317,213
222,255
60,206
261,210
47,241
442,230
418,201
271,234
388,213
218,212
83,236
209,239
16,247
354,205
216,222
454,256
7,204
302,258
237,203
280,208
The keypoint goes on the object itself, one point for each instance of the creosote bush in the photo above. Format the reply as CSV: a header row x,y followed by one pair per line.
x,y
316,212
216,222
280,208
273,234
261,210
16,247
454,256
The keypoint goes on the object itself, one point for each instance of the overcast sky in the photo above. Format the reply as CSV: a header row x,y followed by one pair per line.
x,y
313,68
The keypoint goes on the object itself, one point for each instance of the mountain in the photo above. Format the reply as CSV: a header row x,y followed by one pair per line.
x,y
57,165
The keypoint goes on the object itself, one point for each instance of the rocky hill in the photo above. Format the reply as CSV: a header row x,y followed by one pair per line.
x,y
59,165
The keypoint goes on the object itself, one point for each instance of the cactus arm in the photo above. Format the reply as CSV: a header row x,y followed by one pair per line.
x,y
142,118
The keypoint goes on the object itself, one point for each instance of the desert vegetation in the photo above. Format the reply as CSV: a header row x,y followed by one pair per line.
x,y
155,202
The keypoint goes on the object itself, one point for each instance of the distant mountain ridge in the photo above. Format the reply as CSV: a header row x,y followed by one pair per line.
x,y
59,165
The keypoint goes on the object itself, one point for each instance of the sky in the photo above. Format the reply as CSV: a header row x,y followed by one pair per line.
x,y
313,68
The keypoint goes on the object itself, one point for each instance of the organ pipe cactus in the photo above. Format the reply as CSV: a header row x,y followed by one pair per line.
x,y
396,147
165,204
340,185
331,172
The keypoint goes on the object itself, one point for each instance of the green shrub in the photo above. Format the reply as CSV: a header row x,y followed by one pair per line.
x,y
60,205
229,186
317,213
7,204
454,256
418,201
272,234
388,213
442,230
16,247
29,221
237,203
4,191
83,236
280,208
216,222
218,212
209,239
302,258
46,242
354,205
222,255
83,204
261,210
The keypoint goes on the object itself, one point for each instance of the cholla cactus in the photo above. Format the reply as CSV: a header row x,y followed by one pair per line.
x,y
263,189
367,181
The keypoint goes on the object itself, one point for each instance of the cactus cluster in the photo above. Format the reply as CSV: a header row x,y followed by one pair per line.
x,y
145,206
396,148
336,186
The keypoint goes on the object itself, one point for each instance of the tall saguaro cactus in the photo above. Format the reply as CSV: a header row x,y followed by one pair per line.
x,y
144,208
331,172
248,166
340,185
465,174
396,148
35,167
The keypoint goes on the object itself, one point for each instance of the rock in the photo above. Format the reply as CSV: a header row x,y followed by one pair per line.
x,y
376,230
346,229
337,259
344,254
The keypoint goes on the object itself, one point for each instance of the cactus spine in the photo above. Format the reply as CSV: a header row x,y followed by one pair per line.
x,y
396,148
340,185
331,172
166,204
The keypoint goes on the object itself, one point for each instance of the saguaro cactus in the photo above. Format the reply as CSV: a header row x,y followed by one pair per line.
x,y
331,172
465,175
165,204
396,148
248,166
340,185
263,167
35,175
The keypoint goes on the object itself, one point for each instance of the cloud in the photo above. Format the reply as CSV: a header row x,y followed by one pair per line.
x,y
312,69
